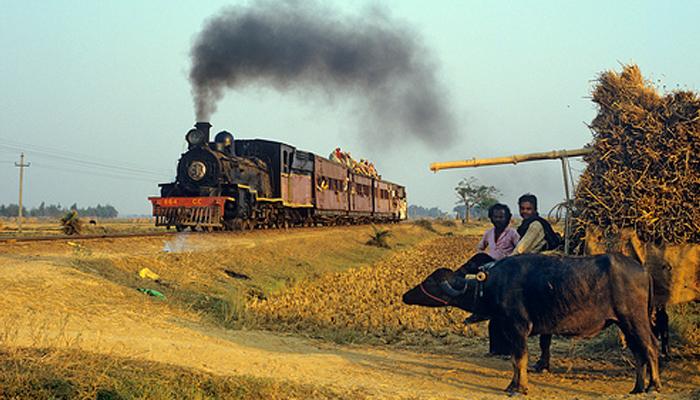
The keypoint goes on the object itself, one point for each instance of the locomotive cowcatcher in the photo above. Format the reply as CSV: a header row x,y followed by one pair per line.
x,y
254,183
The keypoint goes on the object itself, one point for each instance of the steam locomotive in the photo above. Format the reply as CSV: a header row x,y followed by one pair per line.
x,y
229,184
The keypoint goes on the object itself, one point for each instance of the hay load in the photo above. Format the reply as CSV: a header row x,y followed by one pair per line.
x,y
644,172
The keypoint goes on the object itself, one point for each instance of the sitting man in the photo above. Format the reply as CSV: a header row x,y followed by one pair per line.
x,y
501,239
536,233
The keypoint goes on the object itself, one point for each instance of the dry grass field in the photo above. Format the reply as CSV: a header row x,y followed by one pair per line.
x,y
302,313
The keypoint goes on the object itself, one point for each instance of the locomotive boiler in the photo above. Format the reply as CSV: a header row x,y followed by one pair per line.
x,y
255,183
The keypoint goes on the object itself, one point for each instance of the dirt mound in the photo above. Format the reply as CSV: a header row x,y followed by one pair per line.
x,y
644,172
368,299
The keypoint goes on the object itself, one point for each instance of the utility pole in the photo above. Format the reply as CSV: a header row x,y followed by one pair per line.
x,y
21,166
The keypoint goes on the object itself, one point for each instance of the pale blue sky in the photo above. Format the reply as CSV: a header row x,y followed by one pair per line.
x,y
109,80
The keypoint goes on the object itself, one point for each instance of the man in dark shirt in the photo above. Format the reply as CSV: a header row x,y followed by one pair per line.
x,y
536,233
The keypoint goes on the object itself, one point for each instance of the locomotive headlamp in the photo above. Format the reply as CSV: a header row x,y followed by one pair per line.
x,y
195,137
197,170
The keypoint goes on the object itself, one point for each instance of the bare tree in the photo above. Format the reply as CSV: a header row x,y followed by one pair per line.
x,y
470,193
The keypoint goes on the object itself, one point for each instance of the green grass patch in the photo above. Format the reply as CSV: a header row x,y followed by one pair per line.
x,y
225,307
268,268
425,224
73,374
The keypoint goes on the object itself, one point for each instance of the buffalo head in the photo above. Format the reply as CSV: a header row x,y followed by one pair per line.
x,y
441,288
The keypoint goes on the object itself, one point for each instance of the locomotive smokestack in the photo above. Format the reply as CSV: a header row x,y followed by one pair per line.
x,y
204,127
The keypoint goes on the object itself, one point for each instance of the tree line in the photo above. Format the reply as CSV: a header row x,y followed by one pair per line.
x,y
474,200
415,211
56,210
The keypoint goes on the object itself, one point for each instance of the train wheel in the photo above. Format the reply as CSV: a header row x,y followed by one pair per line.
x,y
236,224
179,228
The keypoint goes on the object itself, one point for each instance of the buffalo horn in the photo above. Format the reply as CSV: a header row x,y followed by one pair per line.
x,y
447,288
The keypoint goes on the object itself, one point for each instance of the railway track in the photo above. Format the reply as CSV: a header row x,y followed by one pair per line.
x,y
15,239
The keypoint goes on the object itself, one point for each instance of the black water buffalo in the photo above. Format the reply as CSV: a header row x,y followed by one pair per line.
x,y
535,294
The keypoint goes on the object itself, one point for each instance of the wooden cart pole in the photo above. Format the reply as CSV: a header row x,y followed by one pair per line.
x,y
480,162
562,155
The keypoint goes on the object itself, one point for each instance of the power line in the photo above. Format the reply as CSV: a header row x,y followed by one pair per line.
x,y
93,173
102,166
84,162
78,158
67,152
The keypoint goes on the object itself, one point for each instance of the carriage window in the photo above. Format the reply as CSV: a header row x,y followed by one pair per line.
x,y
323,183
285,164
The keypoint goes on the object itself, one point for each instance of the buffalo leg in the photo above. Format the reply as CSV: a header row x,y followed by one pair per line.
x,y
640,368
498,341
519,382
634,345
642,343
543,363
661,329
652,356
649,350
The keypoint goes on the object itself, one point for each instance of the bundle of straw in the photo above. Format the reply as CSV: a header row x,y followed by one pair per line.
x,y
644,172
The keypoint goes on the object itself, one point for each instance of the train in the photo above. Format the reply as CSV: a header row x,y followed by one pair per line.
x,y
242,184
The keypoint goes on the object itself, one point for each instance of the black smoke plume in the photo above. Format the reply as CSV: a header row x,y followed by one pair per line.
x,y
302,45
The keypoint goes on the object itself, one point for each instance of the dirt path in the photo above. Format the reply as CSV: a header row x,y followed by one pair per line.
x,y
45,305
